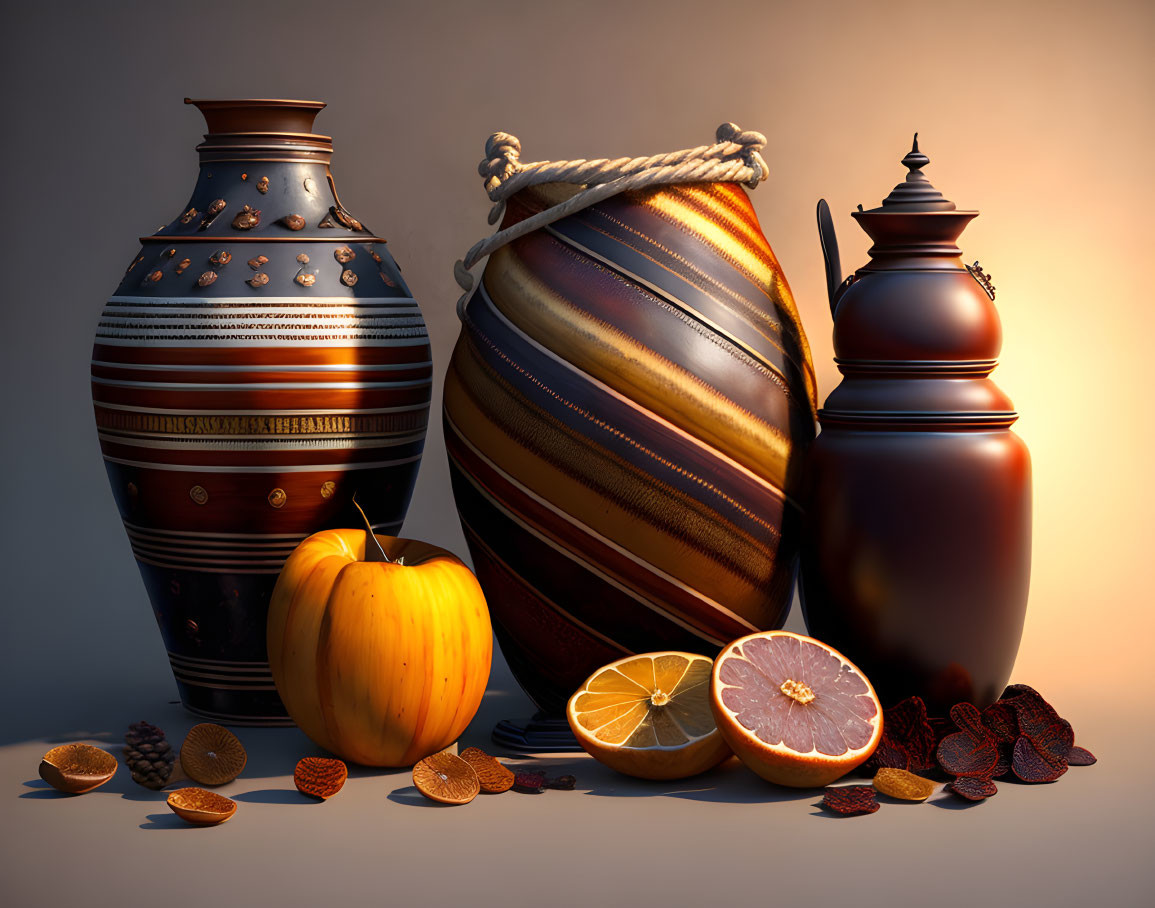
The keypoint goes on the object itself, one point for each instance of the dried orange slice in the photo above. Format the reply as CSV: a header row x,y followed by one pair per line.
x,y
649,716
447,778
200,807
793,709
492,775
212,755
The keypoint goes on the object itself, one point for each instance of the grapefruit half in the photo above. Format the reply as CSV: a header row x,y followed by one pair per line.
x,y
793,709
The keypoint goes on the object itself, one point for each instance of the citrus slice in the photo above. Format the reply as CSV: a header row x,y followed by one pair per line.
x,y
793,709
649,716
212,755
447,778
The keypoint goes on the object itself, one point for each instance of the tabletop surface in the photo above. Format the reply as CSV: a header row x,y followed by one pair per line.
x,y
1084,839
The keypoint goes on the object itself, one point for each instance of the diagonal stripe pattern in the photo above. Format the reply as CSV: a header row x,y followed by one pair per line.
x,y
625,412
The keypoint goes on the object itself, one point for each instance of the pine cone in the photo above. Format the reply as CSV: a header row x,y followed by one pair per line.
x,y
148,755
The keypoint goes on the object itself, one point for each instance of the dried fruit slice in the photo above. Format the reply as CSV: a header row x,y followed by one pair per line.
x,y
1080,756
793,709
850,800
320,777
908,740
898,783
492,776
212,755
77,768
200,807
971,751
1032,766
529,782
561,783
649,716
973,789
447,778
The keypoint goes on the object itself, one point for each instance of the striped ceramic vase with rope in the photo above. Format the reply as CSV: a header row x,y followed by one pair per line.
x,y
626,411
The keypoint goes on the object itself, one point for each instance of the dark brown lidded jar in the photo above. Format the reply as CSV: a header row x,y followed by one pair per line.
x,y
917,540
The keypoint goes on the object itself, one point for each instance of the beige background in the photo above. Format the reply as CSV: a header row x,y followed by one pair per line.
x,y
1038,114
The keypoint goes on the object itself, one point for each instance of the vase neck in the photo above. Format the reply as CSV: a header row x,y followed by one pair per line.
x,y
255,129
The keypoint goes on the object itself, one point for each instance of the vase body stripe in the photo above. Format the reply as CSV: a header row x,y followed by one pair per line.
x,y
624,414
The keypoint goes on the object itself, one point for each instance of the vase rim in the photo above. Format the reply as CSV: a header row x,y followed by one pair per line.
x,y
257,115
248,128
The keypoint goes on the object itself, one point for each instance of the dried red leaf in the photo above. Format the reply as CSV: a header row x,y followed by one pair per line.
x,y
1080,756
529,782
973,789
887,755
1005,761
850,800
908,739
971,751
1032,766
1050,734
1002,721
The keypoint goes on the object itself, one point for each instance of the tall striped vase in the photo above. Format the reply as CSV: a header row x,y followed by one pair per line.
x,y
626,412
261,362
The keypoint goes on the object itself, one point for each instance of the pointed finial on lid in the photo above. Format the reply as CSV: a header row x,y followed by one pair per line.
x,y
915,193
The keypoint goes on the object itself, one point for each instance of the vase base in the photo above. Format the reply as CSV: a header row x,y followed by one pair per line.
x,y
543,734
250,721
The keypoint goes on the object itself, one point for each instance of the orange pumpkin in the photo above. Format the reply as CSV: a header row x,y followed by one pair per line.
x,y
380,660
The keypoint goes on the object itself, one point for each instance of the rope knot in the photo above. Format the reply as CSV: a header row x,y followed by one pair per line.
x,y
502,160
752,144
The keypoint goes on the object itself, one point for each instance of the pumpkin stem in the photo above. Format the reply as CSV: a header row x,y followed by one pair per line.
x,y
373,552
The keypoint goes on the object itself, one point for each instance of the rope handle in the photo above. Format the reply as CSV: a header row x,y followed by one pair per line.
x,y
734,158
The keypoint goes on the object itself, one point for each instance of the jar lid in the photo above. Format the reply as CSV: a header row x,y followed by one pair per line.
x,y
915,193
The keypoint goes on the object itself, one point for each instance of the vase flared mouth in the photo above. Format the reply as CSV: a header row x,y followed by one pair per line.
x,y
261,129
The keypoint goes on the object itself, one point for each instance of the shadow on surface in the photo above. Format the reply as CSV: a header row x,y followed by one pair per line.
x,y
275,796
411,797
42,791
954,802
730,783
167,821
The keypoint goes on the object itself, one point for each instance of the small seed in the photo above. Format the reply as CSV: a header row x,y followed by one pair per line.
x,y
207,278
293,221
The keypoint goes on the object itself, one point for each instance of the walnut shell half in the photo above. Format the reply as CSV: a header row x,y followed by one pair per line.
x,y
200,807
77,768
